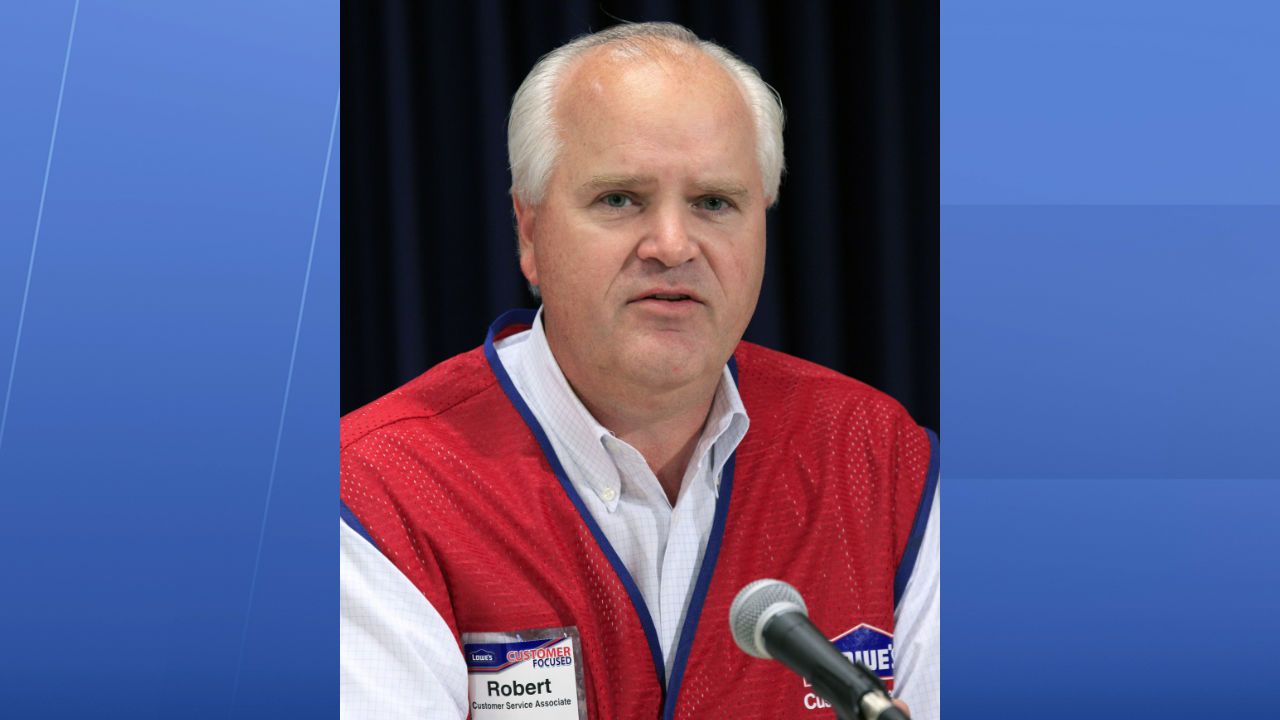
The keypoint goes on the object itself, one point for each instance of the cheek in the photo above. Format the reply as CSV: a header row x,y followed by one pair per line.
x,y
578,264
555,247
586,250
748,268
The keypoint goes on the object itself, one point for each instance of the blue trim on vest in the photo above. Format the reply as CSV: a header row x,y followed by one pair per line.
x,y
703,583
908,563
353,522
525,317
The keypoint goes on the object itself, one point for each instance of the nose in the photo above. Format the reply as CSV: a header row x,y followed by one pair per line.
x,y
667,239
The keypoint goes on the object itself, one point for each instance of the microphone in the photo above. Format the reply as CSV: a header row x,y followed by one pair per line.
x,y
770,621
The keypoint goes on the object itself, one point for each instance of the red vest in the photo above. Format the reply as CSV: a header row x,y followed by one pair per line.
x,y
453,480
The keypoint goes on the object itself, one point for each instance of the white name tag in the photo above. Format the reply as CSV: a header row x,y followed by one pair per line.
x,y
529,674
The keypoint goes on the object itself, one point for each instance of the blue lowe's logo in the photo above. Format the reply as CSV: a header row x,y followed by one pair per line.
x,y
866,644
871,646
483,656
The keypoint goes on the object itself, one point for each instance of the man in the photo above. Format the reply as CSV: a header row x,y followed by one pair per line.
x,y
555,525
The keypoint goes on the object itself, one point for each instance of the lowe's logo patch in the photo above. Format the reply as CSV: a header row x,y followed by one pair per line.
x,y
871,646
482,656
866,644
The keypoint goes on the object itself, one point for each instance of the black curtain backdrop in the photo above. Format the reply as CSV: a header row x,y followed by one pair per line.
x,y
428,246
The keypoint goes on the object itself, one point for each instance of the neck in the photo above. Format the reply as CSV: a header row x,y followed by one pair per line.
x,y
665,436
664,425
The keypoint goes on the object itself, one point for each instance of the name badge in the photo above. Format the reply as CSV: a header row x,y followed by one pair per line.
x,y
527,674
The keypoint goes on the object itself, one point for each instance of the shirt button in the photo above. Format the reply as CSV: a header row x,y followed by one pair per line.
x,y
608,494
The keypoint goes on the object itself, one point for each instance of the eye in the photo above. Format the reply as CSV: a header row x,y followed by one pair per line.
x,y
616,200
713,204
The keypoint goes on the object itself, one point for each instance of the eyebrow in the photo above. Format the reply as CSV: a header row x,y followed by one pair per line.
x,y
727,188
605,182
721,187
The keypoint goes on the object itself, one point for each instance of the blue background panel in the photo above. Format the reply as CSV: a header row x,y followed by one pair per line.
x,y
1111,341
169,545
1091,102
1110,231
1140,598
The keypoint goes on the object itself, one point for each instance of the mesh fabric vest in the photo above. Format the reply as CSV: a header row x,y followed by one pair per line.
x,y
452,479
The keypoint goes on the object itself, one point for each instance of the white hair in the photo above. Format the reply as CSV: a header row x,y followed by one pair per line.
x,y
532,138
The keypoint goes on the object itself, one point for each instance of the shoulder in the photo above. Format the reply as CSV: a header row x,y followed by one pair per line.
x,y
431,399
770,377
840,427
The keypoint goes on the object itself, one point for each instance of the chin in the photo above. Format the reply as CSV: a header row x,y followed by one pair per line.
x,y
668,363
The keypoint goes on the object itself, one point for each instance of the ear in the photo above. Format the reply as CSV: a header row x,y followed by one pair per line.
x,y
525,218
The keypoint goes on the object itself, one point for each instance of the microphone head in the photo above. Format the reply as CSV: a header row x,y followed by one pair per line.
x,y
755,606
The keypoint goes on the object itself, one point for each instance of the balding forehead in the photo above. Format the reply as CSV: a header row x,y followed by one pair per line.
x,y
588,78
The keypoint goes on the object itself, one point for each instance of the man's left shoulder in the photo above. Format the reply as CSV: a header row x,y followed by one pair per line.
x,y
770,375
842,428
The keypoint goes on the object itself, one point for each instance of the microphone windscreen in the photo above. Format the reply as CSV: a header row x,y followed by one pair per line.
x,y
750,606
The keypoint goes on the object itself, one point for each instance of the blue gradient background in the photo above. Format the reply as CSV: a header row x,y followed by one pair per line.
x,y
1110,180
157,342
1111,243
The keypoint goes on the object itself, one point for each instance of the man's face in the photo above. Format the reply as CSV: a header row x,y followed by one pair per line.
x,y
649,244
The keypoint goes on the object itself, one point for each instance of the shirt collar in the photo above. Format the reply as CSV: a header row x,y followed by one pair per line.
x,y
594,449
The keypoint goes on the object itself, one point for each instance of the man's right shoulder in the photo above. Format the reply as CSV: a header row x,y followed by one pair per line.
x,y
428,397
